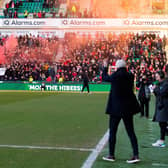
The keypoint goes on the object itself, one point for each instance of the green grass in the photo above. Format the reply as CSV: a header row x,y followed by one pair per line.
x,y
49,119
11,158
53,119
68,120
147,132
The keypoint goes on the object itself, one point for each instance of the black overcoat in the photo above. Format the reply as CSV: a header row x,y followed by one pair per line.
x,y
122,100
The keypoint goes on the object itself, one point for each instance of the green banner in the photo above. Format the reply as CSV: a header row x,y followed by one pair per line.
x,y
53,87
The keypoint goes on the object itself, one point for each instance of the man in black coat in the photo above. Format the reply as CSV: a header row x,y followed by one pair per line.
x,y
85,81
144,96
122,104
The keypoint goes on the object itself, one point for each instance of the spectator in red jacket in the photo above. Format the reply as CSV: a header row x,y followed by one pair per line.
x,y
7,6
40,14
15,15
49,79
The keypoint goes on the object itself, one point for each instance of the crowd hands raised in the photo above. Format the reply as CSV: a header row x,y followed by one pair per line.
x,y
51,58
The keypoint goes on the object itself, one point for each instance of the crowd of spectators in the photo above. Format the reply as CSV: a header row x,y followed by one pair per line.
x,y
2,39
145,54
12,8
73,11
103,10
36,56
30,56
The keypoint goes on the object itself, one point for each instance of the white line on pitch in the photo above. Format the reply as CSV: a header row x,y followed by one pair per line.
x,y
93,156
160,164
45,147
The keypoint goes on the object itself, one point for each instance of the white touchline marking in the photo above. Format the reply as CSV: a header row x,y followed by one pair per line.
x,y
93,156
160,164
45,147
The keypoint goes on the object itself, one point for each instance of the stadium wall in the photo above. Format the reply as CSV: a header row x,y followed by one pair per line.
x,y
75,23
62,25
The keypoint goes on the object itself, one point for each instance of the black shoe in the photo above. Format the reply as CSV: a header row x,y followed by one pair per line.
x,y
109,158
134,159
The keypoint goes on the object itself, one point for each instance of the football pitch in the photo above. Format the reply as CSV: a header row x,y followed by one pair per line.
x,y
60,130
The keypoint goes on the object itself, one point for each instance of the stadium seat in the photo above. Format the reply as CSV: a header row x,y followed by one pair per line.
x,y
32,7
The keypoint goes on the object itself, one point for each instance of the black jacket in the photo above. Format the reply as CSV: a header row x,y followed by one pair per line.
x,y
85,78
144,92
122,100
161,108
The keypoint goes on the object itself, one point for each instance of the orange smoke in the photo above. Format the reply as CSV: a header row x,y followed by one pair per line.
x,y
120,8
2,55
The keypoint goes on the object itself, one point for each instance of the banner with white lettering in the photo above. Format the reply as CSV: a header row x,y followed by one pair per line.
x,y
36,86
75,23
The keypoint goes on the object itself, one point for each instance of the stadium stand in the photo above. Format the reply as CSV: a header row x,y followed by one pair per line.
x,y
101,9
145,54
23,8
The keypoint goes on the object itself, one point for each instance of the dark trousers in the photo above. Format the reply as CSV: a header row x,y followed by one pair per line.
x,y
144,108
163,126
85,85
43,88
128,122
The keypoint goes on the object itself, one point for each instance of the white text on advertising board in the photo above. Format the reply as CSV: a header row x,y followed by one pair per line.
x,y
57,88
